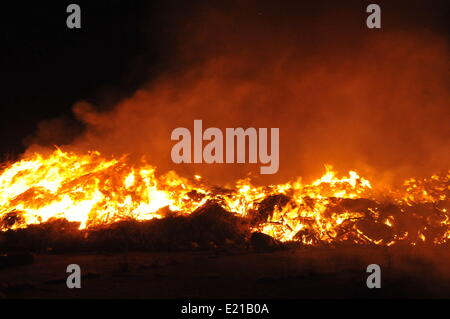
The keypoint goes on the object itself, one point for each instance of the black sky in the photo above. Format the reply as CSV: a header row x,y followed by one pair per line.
x,y
46,68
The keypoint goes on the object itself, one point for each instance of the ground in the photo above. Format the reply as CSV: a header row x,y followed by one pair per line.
x,y
294,273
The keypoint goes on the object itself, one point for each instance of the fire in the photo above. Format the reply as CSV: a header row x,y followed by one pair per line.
x,y
93,190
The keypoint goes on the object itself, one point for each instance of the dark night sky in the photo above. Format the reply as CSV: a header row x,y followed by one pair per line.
x,y
46,68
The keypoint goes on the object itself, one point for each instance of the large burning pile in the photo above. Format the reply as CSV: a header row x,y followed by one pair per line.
x,y
94,191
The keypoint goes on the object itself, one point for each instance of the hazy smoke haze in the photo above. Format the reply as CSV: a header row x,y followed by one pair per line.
x,y
373,100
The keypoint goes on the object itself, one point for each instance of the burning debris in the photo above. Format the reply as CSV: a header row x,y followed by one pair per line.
x,y
80,200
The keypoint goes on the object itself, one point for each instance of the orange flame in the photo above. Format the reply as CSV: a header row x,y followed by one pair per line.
x,y
93,190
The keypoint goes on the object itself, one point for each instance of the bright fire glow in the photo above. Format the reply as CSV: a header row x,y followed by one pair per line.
x,y
93,190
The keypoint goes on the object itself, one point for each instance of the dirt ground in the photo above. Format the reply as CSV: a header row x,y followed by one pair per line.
x,y
295,273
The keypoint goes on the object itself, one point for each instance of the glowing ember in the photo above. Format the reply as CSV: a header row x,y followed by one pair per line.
x,y
93,190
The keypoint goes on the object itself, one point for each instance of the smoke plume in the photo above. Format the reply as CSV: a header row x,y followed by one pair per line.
x,y
372,100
